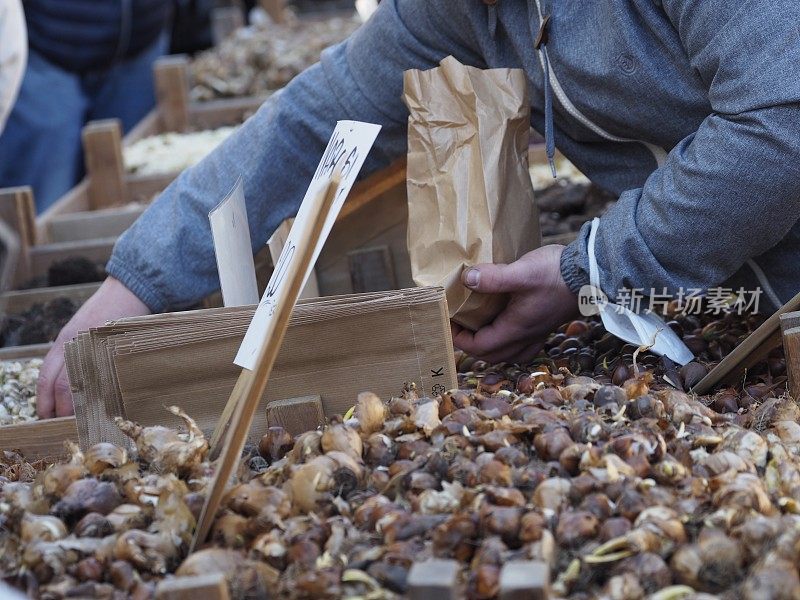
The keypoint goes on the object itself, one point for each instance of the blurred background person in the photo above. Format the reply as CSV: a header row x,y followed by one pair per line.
x,y
87,60
13,54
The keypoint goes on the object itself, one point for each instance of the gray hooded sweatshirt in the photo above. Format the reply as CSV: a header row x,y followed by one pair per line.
x,y
688,109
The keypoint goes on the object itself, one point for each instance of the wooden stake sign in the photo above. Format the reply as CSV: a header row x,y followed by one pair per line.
x,y
251,384
335,175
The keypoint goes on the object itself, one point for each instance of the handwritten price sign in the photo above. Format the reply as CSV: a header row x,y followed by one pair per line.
x,y
347,149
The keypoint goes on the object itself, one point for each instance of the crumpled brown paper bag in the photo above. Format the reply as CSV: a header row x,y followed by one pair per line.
x,y
470,197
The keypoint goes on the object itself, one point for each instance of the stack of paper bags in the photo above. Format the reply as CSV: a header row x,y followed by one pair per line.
x,y
335,347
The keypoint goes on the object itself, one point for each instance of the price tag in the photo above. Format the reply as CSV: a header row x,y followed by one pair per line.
x,y
231,233
346,152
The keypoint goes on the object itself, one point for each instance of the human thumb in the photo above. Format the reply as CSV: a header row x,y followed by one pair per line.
x,y
494,279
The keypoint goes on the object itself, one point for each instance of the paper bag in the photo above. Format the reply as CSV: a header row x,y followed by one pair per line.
x,y
470,197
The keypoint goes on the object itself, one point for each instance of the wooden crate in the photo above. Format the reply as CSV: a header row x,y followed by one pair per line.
x,y
36,439
106,183
19,301
17,208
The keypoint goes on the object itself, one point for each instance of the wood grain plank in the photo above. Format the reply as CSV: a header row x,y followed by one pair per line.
x,y
39,439
105,167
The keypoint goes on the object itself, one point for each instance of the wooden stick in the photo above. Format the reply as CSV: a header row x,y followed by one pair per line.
x,y
105,167
255,381
225,418
753,349
171,75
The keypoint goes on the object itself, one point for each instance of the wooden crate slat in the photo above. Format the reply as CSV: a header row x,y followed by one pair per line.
x,y
171,74
39,439
18,212
24,352
105,167
41,257
21,300
93,224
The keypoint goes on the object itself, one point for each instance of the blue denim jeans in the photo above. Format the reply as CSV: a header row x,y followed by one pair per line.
x,y
41,143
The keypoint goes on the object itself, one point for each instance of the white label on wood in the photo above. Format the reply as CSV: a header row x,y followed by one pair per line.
x,y
347,150
231,233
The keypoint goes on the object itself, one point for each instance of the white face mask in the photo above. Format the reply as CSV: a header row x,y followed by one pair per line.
x,y
646,329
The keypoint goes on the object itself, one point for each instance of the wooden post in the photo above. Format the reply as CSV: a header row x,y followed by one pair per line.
x,y
524,580
172,91
790,327
791,348
198,587
433,580
105,166
296,415
18,211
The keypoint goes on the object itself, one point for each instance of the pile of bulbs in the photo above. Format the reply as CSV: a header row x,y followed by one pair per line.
x,y
172,152
262,58
18,390
627,489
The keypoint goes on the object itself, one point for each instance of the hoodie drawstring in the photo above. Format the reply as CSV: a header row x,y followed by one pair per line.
x,y
549,137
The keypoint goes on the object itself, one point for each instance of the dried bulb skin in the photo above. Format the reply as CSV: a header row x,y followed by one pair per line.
x,y
370,412
165,449
59,477
342,438
85,496
93,525
776,580
651,570
104,456
150,552
307,446
41,528
275,444
576,528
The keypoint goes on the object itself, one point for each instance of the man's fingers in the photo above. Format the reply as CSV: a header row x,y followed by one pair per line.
x,y
493,343
45,386
63,394
498,279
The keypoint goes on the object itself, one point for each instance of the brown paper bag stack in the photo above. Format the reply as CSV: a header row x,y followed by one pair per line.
x,y
335,348
470,197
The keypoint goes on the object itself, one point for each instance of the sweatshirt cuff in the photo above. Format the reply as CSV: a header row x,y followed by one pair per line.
x,y
575,265
139,287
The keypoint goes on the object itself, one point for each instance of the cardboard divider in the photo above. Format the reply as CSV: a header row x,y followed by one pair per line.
x,y
335,348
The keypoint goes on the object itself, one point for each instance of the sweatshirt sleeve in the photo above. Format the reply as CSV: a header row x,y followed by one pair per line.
x,y
167,258
731,190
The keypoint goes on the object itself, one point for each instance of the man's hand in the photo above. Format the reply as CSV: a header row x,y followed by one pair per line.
x,y
112,301
540,302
